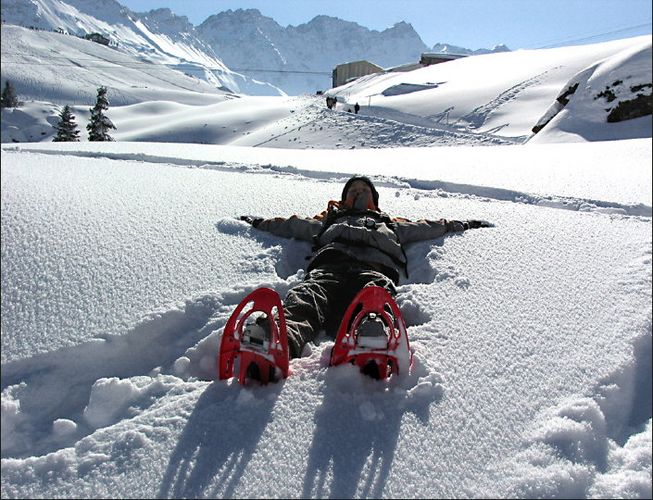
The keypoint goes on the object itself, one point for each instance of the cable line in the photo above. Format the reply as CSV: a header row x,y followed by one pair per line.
x,y
153,66
570,39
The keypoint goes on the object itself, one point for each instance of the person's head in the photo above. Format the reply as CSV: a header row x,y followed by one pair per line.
x,y
359,192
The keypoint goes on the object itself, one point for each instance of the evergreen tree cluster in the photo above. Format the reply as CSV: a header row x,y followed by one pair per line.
x,y
98,126
67,131
9,99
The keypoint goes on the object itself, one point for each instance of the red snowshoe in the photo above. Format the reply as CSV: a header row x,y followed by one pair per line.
x,y
254,341
372,335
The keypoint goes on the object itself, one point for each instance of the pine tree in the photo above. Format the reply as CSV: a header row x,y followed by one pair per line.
x,y
67,130
9,98
100,123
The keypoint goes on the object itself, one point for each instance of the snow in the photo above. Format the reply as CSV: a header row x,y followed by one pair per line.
x,y
155,43
121,263
515,85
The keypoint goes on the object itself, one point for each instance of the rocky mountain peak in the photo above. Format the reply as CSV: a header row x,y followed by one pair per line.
x,y
296,59
167,21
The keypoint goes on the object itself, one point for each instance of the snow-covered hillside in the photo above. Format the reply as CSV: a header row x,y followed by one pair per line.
x,y
122,261
158,37
446,104
506,94
265,58
64,69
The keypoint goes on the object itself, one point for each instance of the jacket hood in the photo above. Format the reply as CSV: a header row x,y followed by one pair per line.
x,y
366,180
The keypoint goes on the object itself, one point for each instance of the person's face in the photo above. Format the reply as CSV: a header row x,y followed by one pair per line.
x,y
359,194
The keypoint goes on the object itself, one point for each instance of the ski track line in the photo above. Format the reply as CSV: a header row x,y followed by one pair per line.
x,y
478,116
432,124
378,122
484,192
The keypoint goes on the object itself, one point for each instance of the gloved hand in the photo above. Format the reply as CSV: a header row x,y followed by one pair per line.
x,y
250,219
475,224
455,226
459,226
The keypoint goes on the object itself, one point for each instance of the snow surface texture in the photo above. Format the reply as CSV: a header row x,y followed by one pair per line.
x,y
121,263
526,335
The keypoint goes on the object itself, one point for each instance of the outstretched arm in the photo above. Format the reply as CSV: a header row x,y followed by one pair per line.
x,y
302,228
428,229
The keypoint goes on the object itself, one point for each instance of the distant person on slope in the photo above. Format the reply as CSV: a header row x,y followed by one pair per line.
x,y
355,246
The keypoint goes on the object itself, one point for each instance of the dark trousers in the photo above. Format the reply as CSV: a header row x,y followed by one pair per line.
x,y
321,299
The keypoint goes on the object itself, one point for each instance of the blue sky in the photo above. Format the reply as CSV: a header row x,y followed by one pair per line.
x,y
472,24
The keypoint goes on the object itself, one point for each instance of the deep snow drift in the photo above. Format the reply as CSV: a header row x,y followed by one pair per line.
x,y
532,338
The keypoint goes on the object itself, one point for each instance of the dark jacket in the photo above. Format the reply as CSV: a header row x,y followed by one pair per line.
x,y
358,236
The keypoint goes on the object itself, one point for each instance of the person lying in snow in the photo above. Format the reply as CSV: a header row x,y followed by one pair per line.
x,y
355,245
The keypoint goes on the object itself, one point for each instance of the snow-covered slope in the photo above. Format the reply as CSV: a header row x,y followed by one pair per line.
x,y
158,37
447,104
609,98
506,94
268,59
64,69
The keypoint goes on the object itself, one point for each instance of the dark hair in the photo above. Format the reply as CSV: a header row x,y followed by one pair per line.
x,y
366,180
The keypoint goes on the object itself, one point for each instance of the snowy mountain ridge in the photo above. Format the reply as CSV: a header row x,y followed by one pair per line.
x,y
159,38
445,48
273,61
301,58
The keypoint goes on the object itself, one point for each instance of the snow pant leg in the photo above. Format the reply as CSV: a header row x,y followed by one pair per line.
x,y
306,307
352,282
371,278
320,301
